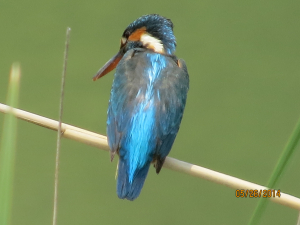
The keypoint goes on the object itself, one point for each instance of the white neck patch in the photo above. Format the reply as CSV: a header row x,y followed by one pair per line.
x,y
152,43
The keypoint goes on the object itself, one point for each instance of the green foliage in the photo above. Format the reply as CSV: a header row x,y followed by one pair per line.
x,y
278,171
8,146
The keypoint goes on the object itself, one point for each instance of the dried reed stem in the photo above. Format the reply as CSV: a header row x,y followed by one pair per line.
x,y
100,141
62,91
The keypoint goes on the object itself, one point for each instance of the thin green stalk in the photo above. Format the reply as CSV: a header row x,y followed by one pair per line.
x,y
8,144
281,165
59,131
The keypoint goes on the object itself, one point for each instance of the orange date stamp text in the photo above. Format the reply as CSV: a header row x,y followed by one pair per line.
x,y
254,193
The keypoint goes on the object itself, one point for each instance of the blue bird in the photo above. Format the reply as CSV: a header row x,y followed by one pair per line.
x,y
147,100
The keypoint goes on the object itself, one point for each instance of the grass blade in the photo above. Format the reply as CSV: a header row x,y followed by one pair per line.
x,y
281,165
59,131
8,144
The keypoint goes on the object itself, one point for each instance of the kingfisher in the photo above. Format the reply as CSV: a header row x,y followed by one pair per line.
x,y
147,100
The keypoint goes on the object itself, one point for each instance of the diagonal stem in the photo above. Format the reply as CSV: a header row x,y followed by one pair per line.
x,y
100,141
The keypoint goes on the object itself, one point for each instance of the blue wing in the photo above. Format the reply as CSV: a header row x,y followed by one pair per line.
x,y
172,93
145,110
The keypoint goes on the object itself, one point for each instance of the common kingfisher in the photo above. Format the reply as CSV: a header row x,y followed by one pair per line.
x,y
147,100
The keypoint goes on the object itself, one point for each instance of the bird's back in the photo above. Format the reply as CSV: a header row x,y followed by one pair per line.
x,y
146,106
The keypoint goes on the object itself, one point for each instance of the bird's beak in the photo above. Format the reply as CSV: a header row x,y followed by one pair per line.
x,y
109,66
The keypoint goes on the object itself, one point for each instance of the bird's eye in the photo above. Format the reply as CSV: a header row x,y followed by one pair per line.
x,y
126,33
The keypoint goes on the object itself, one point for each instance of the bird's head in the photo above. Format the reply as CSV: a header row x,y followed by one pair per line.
x,y
152,32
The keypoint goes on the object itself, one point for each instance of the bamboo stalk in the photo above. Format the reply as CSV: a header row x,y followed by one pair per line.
x,y
100,141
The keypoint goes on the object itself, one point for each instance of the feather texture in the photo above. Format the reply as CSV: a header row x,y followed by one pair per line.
x,y
147,101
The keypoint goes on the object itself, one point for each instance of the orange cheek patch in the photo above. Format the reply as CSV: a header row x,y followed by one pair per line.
x,y
136,35
179,63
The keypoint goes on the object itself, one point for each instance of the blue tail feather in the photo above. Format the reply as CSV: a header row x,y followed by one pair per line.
x,y
127,189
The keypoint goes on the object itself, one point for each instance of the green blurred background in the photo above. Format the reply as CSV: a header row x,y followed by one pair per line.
x,y
243,59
